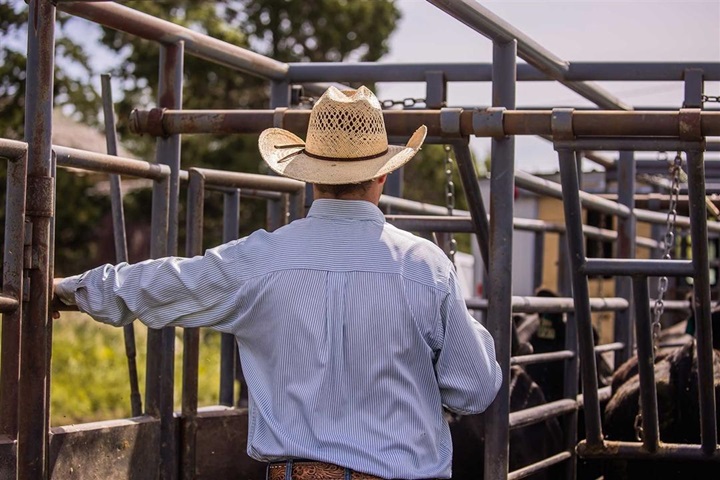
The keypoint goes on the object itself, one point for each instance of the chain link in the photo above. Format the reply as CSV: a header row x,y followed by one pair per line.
x,y
406,102
668,244
450,199
710,98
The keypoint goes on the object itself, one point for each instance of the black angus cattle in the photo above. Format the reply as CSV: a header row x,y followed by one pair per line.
x,y
527,444
545,333
678,411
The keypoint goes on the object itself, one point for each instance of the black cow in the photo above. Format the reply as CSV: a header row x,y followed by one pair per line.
x,y
527,444
677,394
678,412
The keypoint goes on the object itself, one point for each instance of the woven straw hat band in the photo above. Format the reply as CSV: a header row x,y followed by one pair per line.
x,y
346,124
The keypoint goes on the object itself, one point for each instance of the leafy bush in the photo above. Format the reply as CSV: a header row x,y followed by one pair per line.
x,y
90,378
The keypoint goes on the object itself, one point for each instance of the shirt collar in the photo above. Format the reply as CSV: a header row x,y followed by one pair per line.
x,y
346,209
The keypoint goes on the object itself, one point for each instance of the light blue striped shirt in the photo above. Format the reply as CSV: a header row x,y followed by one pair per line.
x,y
353,335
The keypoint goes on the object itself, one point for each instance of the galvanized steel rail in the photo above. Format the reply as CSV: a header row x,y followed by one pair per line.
x,y
31,168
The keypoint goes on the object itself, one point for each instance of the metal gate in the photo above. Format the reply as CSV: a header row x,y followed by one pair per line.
x,y
165,444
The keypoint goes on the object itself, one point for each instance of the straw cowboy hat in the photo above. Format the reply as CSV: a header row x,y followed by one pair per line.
x,y
346,142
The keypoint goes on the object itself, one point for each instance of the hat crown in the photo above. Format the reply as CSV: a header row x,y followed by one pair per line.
x,y
346,124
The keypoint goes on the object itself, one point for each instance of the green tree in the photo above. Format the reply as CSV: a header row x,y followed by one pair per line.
x,y
321,30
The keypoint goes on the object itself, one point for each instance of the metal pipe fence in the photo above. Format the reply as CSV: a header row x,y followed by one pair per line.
x,y
30,210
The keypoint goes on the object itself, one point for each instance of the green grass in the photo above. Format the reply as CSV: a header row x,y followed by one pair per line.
x,y
90,378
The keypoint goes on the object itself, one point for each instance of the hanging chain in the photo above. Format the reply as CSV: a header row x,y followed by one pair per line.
x,y
710,98
450,199
406,102
668,244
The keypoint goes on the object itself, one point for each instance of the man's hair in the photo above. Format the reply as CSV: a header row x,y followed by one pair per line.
x,y
344,189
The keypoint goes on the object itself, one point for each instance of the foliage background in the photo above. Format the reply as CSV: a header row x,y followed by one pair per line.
x,y
89,368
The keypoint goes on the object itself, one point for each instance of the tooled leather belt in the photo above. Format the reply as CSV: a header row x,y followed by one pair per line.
x,y
309,470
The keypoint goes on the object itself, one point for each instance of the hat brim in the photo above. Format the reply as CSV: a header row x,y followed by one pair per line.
x,y
293,163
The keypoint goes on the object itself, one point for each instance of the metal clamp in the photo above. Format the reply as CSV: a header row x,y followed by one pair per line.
x,y
150,122
689,124
40,196
561,124
450,121
278,117
489,122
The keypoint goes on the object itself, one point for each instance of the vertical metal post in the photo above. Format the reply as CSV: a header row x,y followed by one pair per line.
x,y
538,254
279,97
701,298
12,285
468,176
121,252
625,248
564,286
646,364
570,390
576,253
394,184
33,385
161,344
693,88
502,187
191,337
296,205
228,346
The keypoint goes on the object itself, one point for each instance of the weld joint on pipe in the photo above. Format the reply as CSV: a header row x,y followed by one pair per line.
x,y
561,124
197,173
450,121
148,121
489,122
689,124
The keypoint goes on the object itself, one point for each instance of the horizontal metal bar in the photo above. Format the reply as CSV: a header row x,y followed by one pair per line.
x,y
490,25
539,466
145,26
250,180
8,303
404,122
401,72
13,150
529,416
541,357
429,223
661,167
632,267
552,305
634,144
553,189
645,71
609,347
480,72
666,451
99,162
682,221
460,222
604,395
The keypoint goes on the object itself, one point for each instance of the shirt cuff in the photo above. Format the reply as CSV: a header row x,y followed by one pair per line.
x,y
65,290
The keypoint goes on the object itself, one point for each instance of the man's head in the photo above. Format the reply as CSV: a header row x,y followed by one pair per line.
x,y
346,145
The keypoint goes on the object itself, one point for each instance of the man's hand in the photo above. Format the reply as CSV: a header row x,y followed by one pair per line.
x,y
55,302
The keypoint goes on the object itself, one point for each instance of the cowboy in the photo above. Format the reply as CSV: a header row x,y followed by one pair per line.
x,y
353,334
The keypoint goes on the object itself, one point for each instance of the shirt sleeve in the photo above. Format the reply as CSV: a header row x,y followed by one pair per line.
x,y
190,292
468,374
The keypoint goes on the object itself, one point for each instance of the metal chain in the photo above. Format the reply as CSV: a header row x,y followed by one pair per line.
x,y
450,199
406,102
668,244
710,98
